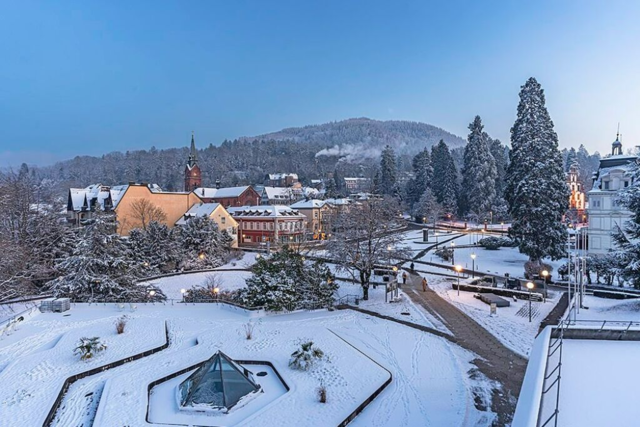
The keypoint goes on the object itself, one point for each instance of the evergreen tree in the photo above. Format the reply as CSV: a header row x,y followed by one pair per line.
x,y
203,245
427,208
479,174
101,267
157,248
627,235
388,172
283,281
423,175
572,157
536,189
500,154
445,178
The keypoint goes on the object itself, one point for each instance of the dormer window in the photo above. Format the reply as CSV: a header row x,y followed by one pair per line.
x,y
605,185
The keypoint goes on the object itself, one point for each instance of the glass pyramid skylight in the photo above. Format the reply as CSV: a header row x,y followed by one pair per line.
x,y
219,383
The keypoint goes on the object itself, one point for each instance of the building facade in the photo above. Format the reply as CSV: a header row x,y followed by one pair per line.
x,y
268,225
281,179
577,202
604,212
319,215
356,185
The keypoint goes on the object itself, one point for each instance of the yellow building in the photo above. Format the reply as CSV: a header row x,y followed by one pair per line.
x,y
218,214
319,217
142,203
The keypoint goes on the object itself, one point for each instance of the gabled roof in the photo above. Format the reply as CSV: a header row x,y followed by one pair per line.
x,y
308,204
264,211
200,209
98,194
278,193
220,193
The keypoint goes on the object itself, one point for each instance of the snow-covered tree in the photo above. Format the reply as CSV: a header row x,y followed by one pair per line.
x,y
101,267
362,241
388,172
445,178
627,235
427,208
479,174
203,245
536,189
284,281
422,176
156,248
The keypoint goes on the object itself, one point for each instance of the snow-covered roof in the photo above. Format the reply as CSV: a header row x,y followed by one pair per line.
x,y
308,204
266,211
200,209
278,176
220,193
356,179
278,193
603,172
339,202
82,197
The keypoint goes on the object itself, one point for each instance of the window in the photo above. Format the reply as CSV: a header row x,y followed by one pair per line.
x,y
605,184
223,220
626,184
596,203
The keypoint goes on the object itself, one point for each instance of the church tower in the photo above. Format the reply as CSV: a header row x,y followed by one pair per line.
x,y
192,174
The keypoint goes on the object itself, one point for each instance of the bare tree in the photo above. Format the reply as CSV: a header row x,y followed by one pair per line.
x,y
367,235
144,212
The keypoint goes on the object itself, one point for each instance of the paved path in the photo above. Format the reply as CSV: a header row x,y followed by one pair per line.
x,y
496,361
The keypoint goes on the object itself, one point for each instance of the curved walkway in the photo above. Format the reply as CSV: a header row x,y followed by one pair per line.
x,y
496,361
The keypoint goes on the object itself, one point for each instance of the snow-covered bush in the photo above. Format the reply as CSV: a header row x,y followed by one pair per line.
x,y
121,323
444,252
89,347
305,357
494,243
322,392
535,269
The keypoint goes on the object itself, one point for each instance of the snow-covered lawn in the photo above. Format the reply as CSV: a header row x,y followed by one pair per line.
x,y
609,309
510,325
431,381
598,379
228,281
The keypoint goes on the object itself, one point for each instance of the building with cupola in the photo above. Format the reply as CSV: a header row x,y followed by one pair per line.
x,y
192,173
614,174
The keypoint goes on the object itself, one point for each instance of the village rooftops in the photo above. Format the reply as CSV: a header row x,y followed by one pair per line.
x,y
95,195
279,176
278,193
275,211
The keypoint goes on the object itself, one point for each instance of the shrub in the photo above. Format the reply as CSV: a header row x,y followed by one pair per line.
x,y
322,392
444,252
248,329
305,357
494,243
121,323
89,347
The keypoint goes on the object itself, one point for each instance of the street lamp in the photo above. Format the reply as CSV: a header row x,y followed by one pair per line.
x,y
201,256
183,291
458,269
453,253
216,290
473,263
530,286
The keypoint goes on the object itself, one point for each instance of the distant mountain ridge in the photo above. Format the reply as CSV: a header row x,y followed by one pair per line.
x,y
364,137
353,146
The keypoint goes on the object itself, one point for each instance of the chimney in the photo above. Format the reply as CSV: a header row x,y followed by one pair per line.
x,y
217,184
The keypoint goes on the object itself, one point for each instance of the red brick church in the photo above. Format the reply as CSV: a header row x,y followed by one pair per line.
x,y
192,173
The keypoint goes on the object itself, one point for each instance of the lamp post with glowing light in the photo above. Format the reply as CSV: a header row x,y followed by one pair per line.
x,y
530,286
473,264
151,294
216,291
458,269
183,291
453,253
545,275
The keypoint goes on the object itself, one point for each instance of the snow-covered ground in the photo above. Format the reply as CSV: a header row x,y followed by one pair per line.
x,y
510,325
499,262
598,383
227,280
610,309
431,381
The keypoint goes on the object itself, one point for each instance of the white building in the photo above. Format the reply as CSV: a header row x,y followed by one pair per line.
x,y
605,214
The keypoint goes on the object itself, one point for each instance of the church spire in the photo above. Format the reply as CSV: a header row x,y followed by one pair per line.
x,y
193,154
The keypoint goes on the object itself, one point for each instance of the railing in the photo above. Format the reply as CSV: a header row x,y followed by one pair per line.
x,y
346,299
615,325
555,349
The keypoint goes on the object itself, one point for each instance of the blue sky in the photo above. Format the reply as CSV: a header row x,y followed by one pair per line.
x,y
93,77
